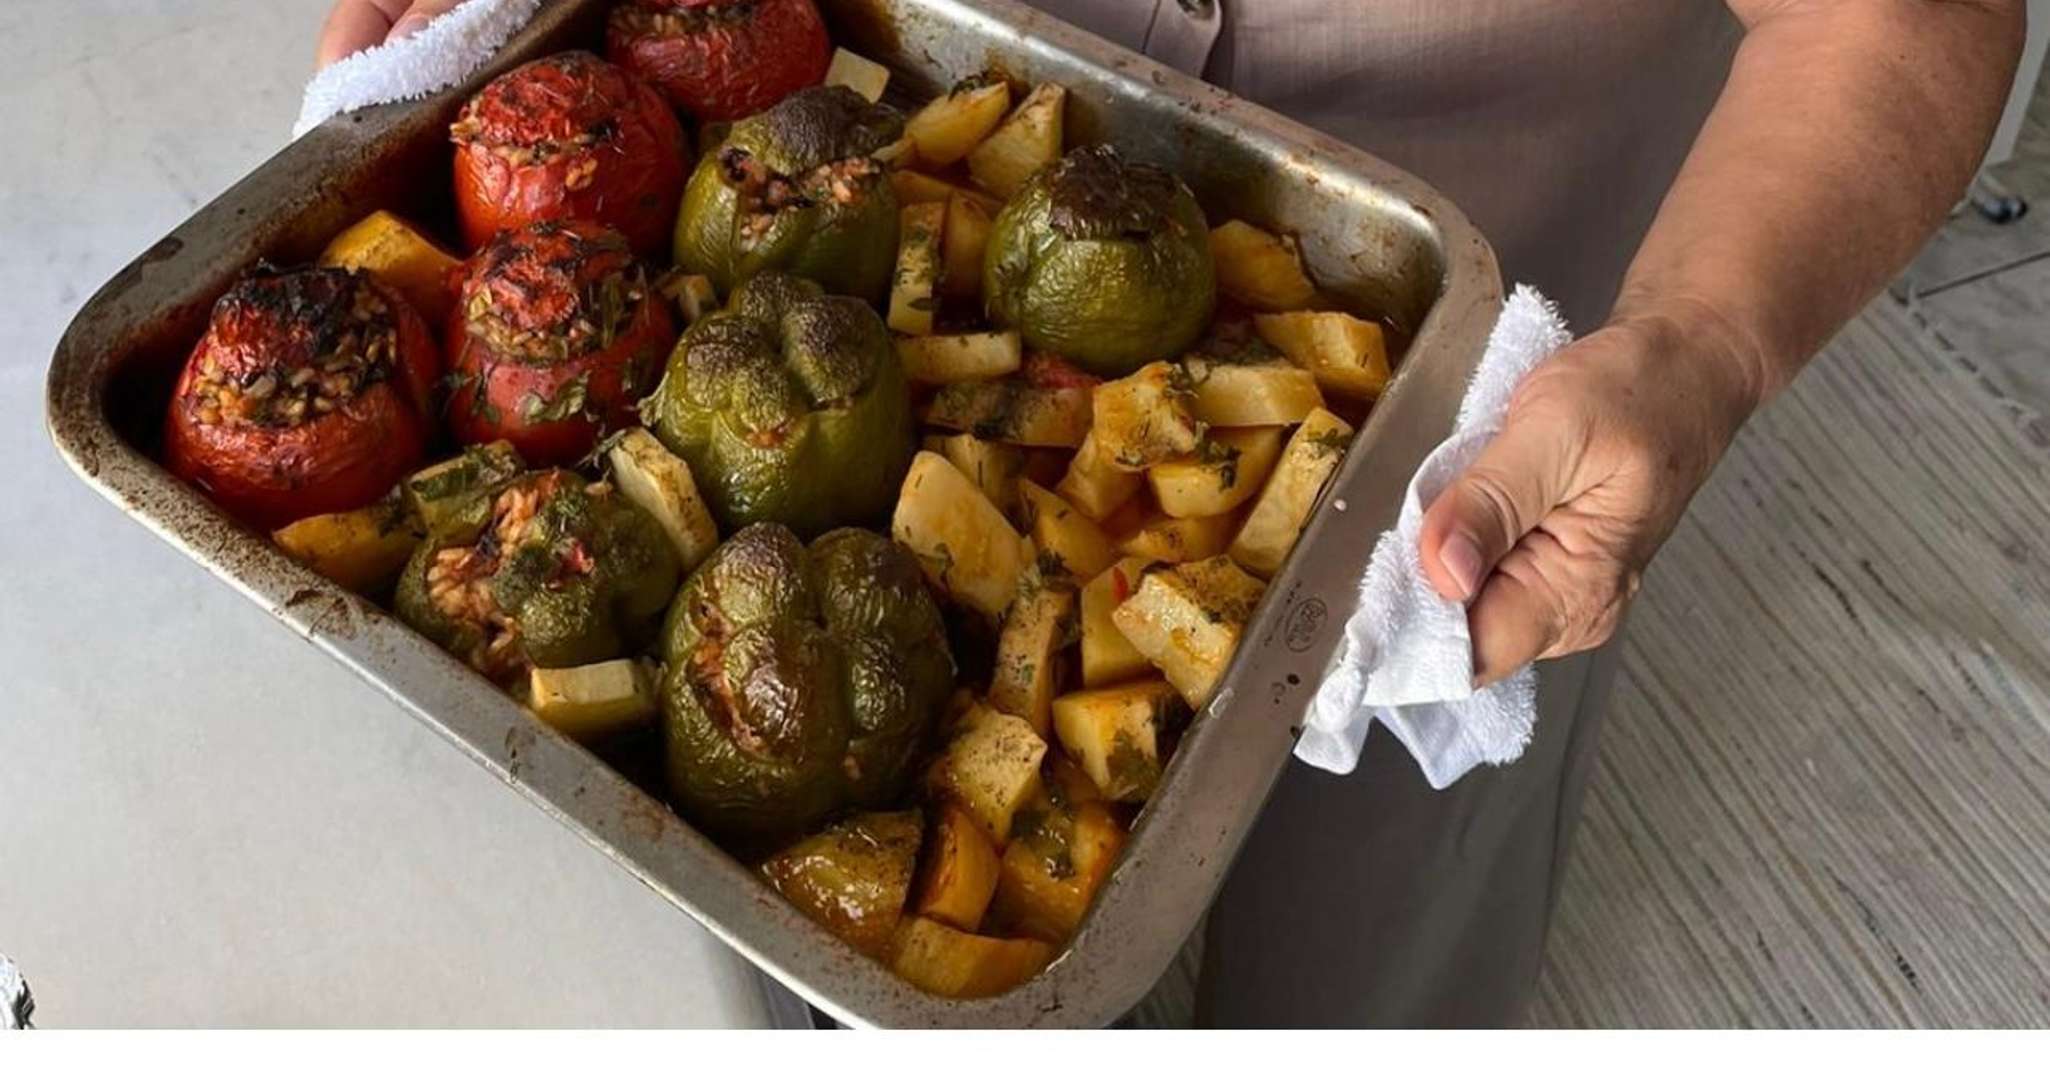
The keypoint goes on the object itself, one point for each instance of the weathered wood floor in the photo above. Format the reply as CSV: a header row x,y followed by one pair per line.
x,y
1824,791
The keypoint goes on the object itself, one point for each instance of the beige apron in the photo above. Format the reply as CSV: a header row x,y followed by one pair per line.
x,y
1557,125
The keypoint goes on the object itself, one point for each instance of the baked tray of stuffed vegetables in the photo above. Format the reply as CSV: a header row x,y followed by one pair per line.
x,y
887,472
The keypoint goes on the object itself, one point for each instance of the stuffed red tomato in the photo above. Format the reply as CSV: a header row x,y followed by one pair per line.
x,y
721,60
569,137
556,333
311,392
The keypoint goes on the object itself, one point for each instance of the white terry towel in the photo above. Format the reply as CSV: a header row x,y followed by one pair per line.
x,y
443,53
1406,659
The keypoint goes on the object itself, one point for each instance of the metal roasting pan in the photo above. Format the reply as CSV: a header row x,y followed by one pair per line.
x,y
1379,238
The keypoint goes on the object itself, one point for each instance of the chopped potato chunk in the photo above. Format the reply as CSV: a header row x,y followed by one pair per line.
x,y
1064,533
1027,140
960,873
659,482
1107,657
591,701
990,767
945,961
1115,734
1348,355
950,126
1094,484
395,252
962,243
912,299
1276,393
1284,504
1229,466
1258,269
1187,621
1066,842
944,359
1145,418
992,465
1028,662
361,550
963,542
854,877
859,73
1167,539
693,294
913,187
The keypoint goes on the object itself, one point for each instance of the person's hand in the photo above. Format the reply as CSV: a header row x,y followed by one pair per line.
x,y
354,25
1546,535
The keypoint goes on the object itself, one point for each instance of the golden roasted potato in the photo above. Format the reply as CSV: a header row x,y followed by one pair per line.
x,y
854,877
361,550
658,481
1107,657
1229,466
1187,620
993,465
989,768
1165,539
1348,355
1094,484
859,73
945,961
1115,734
913,187
1015,410
961,247
1258,269
1065,846
1276,393
1277,516
946,129
1145,418
1062,531
1028,139
960,871
912,296
1028,661
944,359
963,542
393,251
591,701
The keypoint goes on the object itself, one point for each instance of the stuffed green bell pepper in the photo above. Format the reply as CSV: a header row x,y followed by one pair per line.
x,y
790,406
1102,261
797,188
799,680
524,569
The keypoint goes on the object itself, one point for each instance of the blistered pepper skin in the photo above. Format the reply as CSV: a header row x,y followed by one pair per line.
x,y
1104,262
790,406
272,475
592,337
721,61
799,680
628,176
847,246
587,579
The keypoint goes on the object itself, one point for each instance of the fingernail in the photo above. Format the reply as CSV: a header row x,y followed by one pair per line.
x,y
407,26
1461,557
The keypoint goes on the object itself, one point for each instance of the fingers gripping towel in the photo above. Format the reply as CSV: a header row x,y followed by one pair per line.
x,y
443,53
1406,659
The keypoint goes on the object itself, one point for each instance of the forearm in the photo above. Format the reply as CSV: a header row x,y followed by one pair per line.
x,y
1847,129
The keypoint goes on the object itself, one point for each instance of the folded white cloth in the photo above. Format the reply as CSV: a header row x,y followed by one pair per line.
x,y
1406,658
443,53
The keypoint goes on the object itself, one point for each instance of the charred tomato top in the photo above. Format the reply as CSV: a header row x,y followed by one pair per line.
x,y
309,393
556,333
721,60
569,136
